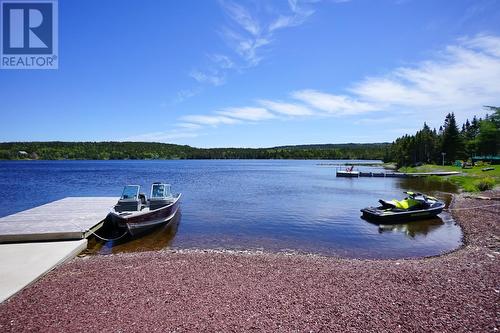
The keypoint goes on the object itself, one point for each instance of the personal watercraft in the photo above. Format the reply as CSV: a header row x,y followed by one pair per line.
x,y
415,206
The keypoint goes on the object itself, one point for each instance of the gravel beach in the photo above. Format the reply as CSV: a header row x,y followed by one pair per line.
x,y
186,291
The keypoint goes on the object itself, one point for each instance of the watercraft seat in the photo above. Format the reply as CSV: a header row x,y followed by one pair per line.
x,y
128,205
143,201
142,197
155,203
405,204
387,204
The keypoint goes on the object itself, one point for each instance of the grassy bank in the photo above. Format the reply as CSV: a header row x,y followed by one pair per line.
x,y
470,180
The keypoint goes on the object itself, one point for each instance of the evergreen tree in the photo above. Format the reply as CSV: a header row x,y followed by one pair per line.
x,y
488,139
452,143
476,137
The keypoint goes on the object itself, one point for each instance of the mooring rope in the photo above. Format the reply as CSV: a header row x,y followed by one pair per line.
x,y
100,237
468,208
109,239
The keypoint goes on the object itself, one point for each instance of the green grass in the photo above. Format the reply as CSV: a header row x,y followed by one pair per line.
x,y
471,180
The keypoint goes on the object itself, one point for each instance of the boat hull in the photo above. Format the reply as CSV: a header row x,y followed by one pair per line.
x,y
394,217
143,222
348,174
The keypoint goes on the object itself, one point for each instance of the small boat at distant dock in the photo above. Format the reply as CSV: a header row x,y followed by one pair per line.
x,y
138,214
348,172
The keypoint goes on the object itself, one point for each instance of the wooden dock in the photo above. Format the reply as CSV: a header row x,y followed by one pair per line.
x,y
66,219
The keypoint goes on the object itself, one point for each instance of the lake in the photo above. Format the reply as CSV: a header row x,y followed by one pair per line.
x,y
270,205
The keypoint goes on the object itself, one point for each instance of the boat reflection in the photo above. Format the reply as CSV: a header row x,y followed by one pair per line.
x,y
412,229
158,239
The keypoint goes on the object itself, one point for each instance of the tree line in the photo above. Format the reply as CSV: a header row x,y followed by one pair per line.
x,y
475,137
151,150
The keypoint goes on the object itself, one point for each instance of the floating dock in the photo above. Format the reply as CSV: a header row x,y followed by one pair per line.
x,y
37,240
66,219
356,174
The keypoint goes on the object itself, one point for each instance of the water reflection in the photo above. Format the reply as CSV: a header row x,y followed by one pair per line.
x,y
428,185
412,229
158,239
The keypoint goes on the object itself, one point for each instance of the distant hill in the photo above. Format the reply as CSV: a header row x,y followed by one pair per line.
x,y
337,146
57,150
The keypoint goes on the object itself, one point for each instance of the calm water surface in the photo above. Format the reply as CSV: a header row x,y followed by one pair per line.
x,y
273,205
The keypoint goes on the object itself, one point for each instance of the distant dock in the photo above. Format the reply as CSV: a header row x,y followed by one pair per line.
x,y
35,241
356,174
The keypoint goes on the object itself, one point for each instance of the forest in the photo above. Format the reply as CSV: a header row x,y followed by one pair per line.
x,y
150,150
476,137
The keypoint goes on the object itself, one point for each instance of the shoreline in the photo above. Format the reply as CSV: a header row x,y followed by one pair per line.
x,y
473,179
228,290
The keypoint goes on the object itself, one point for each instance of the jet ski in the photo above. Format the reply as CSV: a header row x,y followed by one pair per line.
x,y
415,206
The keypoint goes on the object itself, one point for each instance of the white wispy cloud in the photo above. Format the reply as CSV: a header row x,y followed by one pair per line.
x,y
221,60
184,94
249,38
241,16
487,43
461,78
247,113
246,35
211,120
246,46
251,32
282,22
339,105
298,16
189,126
213,78
289,109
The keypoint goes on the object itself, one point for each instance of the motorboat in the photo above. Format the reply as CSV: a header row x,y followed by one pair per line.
x,y
348,172
135,212
415,206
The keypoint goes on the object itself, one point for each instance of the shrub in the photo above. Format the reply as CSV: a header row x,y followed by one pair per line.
x,y
481,164
486,183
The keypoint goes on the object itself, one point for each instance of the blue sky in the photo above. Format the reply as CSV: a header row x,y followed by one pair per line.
x,y
257,73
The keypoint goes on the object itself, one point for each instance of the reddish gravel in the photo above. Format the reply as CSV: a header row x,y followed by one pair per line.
x,y
190,291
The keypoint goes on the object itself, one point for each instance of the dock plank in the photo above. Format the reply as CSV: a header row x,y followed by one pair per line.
x,y
65,219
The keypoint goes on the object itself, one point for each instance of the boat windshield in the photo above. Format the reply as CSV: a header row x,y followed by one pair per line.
x,y
160,191
130,192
